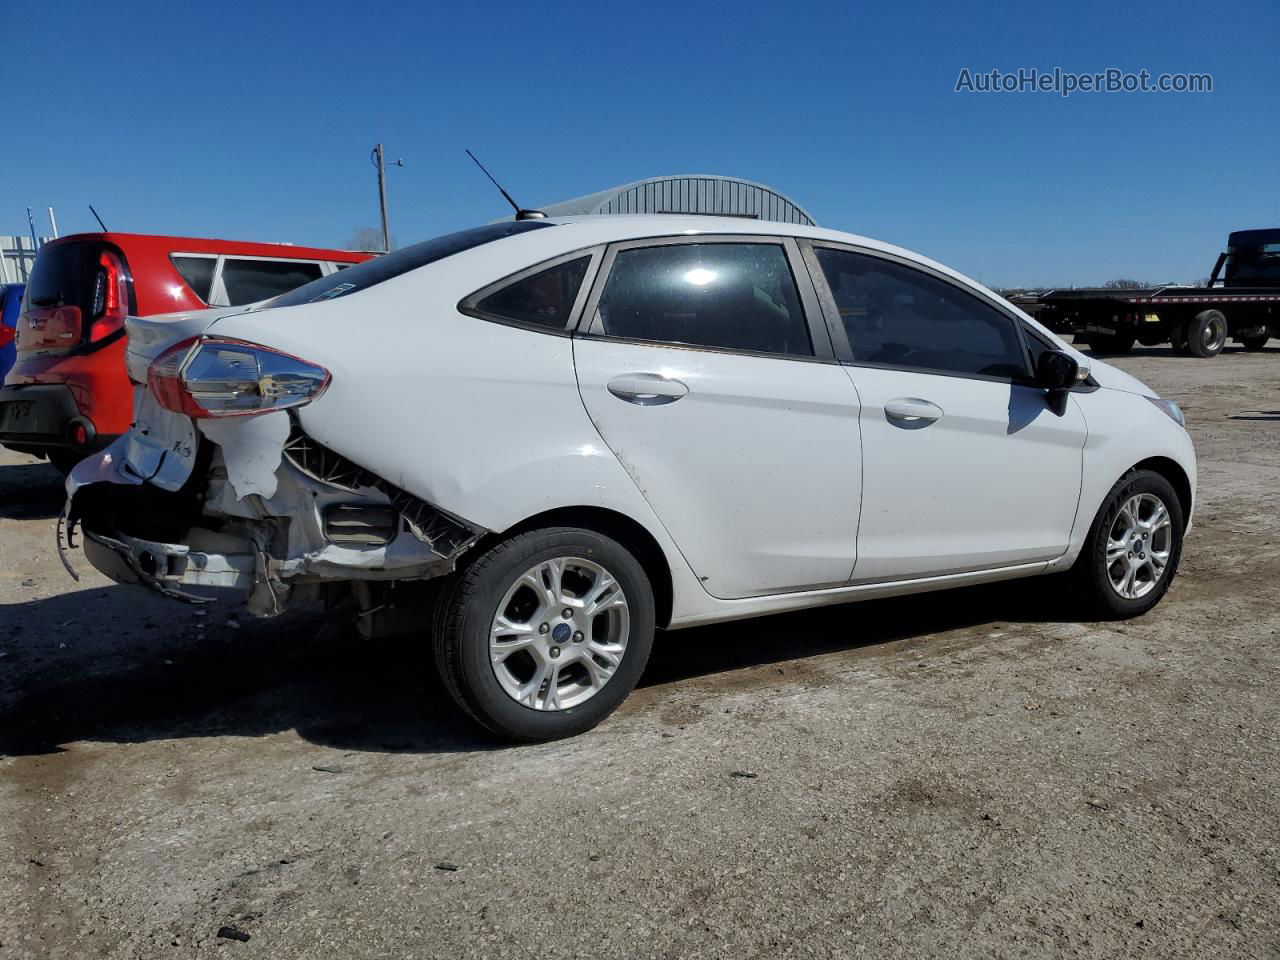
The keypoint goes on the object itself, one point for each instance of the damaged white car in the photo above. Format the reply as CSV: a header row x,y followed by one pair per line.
x,y
535,442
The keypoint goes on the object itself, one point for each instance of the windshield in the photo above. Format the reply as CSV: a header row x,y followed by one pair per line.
x,y
375,271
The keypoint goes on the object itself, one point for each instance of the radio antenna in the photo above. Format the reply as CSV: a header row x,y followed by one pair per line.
x,y
521,213
99,219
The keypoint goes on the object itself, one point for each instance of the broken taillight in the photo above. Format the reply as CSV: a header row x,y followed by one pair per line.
x,y
211,377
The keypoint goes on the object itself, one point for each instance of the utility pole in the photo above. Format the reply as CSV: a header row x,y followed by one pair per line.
x,y
379,162
53,222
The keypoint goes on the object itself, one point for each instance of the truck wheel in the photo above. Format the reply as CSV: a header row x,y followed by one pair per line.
x,y
1131,554
1117,343
1178,337
1255,343
1207,334
545,633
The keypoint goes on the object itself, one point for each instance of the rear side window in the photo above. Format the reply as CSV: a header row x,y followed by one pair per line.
x,y
198,272
248,281
895,315
361,276
732,296
543,299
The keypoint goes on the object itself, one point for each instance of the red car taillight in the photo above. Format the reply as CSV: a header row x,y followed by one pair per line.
x,y
7,335
110,297
212,377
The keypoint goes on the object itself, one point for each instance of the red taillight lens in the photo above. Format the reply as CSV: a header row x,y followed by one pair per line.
x,y
110,297
7,335
212,377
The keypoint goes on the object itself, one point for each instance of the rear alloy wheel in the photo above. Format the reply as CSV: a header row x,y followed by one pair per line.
x,y
1207,334
1134,545
546,633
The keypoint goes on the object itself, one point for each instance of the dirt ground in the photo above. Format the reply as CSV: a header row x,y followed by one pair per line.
x,y
971,774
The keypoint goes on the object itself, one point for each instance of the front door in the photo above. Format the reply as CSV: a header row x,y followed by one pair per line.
x,y
966,467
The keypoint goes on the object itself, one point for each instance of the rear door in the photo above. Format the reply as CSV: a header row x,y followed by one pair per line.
x,y
706,369
966,466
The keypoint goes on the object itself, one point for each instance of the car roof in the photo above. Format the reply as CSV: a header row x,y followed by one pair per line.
x,y
588,230
166,244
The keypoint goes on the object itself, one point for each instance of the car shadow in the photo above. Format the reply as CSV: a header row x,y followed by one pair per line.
x,y
32,491
116,664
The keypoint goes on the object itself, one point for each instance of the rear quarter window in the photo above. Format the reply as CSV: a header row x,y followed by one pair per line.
x,y
542,299
197,272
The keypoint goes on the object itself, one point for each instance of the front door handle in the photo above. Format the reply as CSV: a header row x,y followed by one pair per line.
x,y
647,389
911,413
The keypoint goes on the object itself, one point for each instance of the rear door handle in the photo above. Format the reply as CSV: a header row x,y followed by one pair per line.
x,y
647,389
911,412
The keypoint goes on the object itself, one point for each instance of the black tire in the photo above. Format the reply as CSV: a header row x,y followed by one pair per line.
x,y
1116,344
466,610
1178,337
1092,571
1255,344
1207,334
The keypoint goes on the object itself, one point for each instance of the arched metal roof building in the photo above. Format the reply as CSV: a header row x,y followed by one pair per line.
x,y
721,196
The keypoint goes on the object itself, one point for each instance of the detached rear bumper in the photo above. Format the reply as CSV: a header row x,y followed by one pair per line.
x,y
255,511
168,567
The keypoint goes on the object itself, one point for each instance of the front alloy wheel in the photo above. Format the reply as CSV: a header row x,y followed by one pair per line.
x,y
1132,551
1138,546
545,633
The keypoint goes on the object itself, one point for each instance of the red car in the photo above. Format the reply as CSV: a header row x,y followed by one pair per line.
x,y
68,394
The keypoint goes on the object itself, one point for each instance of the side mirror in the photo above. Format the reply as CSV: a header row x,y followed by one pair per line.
x,y
1056,370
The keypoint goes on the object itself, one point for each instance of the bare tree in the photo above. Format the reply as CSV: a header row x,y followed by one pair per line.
x,y
368,239
1123,284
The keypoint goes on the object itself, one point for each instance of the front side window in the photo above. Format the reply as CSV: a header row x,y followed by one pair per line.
x,y
248,281
731,296
543,299
895,315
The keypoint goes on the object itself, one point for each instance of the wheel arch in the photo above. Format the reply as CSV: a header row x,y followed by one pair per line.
x,y
1172,471
626,530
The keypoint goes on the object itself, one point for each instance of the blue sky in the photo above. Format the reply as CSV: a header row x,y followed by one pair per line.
x,y
254,120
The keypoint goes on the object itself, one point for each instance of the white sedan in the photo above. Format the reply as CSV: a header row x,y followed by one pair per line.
x,y
537,441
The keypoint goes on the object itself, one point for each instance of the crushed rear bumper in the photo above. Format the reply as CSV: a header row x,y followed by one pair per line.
x,y
259,510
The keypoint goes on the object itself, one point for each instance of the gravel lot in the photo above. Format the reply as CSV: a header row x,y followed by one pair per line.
x,y
971,774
